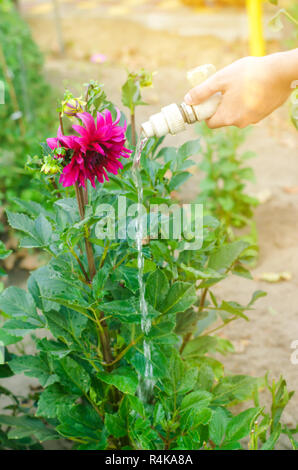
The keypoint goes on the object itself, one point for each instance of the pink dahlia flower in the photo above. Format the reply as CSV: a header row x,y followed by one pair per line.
x,y
96,152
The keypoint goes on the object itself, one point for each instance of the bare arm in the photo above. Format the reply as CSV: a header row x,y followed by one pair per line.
x,y
252,88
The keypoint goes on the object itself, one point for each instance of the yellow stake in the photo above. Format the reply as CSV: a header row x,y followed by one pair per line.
x,y
254,11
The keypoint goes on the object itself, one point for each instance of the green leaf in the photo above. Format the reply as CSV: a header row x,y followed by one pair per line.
x,y
82,422
195,417
4,253
127,275
189,149
158,414
196,400
126,310
18,327
131,95
27,426
275,23
5,371
39,231
136,404
223,258
73,376
178,179
271,441
34,366
33,208
66,324
240,426
123,378
256,295
16,302
162,332
115,425
51,290
7,338
72,300
159,361
100,279
218,425
180,297
55,348
206,344
235,388
143,436
52,399
157,287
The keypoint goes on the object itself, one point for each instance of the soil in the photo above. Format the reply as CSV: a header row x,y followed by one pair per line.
x,y
264,343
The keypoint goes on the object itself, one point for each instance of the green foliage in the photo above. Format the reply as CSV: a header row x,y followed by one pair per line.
x,y
131,90
29,106
276,23
91,369
223,187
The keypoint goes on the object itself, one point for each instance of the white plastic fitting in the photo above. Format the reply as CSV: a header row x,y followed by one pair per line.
x,y
173,118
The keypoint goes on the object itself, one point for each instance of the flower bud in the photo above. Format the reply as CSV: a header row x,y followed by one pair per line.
x,y
50,166
72,107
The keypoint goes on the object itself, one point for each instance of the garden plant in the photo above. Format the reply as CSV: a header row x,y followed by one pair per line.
x,y
82,309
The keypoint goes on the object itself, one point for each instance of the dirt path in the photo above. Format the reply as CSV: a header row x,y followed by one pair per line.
x,y
264,343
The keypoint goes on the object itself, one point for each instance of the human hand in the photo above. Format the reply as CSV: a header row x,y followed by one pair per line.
x,y
252,88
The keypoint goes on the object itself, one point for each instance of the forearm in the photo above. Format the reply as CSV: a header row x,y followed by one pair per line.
x,y
285,65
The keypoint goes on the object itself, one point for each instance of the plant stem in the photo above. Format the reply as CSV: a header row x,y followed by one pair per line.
x,y
79,263
102,325
61,123
222,325
55,186
133,129
89,250
104,338
105,252
125,350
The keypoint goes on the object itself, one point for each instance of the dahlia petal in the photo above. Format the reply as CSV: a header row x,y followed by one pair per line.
x,y
105,175
88,121
53,142
100,121
118,116
68,141
59,133
108,117
98,148
81,130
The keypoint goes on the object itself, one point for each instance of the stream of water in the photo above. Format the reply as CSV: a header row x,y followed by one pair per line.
x,y
146,383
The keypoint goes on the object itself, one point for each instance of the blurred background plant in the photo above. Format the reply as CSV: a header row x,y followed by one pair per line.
x,y
223,189
29,104
287,12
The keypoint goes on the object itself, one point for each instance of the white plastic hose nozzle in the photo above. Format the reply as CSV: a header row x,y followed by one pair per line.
x,y
173,118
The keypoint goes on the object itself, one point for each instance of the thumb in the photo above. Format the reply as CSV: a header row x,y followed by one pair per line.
x,y
203,91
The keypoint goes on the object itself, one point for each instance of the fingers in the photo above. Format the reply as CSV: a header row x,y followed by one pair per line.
x,y
203,91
